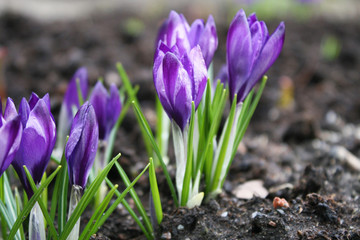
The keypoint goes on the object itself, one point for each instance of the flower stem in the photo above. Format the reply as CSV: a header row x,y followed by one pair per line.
x,y
36,224
76,193
180,148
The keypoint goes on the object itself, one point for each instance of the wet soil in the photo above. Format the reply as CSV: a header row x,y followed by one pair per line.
x,y
303,142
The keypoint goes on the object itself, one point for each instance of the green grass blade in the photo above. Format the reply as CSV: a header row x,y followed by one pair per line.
x,y
85,200
155,192
30,204
223,147
118,200
63,190
5,220
189,164
97,214
141,118
79,92
135,197
41,204
132,95
18,210
128,208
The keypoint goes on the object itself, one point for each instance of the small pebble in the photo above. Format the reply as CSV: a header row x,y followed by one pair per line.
x,y
166,235
224,214
280,202
272,223
180,227
280,211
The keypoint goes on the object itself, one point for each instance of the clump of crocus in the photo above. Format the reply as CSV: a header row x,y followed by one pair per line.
x,y
76,92
176,31
180,80
37,143
80,152
250,53
10,134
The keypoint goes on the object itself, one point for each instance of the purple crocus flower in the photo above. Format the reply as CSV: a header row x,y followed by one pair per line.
x,y
176,31
71,98
10,134
179,80
38,139
80,150
250,52
107,108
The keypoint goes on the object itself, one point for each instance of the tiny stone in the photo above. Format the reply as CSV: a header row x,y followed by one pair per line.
x,y
224,214
254,214
280,211
180,227
187,238
166,235
273,224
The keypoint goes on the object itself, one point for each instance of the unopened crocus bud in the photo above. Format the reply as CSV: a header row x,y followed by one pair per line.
x,y
179,80
71,98
38,139
107,108
204,35
176,31
250,52
10,134
80,150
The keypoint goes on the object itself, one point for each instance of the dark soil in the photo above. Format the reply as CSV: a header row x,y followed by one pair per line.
x,y
299,147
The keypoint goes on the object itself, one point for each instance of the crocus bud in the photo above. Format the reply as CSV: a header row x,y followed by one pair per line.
x,y
71,98
82,145
205,36
250,52
179,80
107,108
38,139
176,31
10,134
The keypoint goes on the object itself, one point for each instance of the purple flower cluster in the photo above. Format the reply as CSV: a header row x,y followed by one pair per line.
x,y
250,52
182,57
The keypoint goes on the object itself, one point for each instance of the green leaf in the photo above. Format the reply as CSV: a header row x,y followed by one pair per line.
x,y
79,92
189,163
41,204
61,192
18,210
224,146
141,118
28,206
135,197
85,200
155,192
116,203
97,214
132,95
128,208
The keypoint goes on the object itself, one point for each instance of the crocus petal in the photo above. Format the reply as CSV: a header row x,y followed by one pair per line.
x,y
176,30
10,110
82,145
239,53
113,109
71,97
37,143
24,111
268,55
196,30
177,86
98,100
199,74
10,133
209,41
